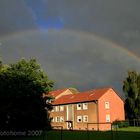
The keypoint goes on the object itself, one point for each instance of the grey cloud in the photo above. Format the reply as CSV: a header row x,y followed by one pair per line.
x,y
72,59
107,18
14,16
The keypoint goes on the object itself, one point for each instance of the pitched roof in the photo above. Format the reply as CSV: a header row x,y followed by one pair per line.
x,y
87,96
57,92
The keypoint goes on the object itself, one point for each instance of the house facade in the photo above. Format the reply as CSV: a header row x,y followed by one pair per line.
x,y
92,110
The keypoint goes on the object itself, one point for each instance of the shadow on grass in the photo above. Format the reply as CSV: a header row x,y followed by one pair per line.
x,y
92,135
81,135
126,135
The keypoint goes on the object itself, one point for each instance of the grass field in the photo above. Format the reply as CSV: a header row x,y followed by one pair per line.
x,y
131,129
130,133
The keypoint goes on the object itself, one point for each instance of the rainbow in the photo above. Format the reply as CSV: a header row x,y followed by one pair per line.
x,y
82,34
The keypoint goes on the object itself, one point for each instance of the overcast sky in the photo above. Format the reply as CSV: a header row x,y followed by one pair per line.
x,y
80,43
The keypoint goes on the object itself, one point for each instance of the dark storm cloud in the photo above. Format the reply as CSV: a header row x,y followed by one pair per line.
x,y
108,18
116,20
14,16
74,59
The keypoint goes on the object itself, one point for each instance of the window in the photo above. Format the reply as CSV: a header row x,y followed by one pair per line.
x,y
61,108
53,119
85,106
57,119
107,118
79,118
106,105
61,119
85,118
57,108
79,106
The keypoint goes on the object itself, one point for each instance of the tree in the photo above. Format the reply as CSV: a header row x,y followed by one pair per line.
x,y
0,64
131,87
22,105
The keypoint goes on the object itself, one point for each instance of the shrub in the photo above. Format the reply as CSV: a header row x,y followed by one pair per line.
x,y
120,124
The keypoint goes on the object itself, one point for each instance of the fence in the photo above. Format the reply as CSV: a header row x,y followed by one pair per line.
x,y
129,130
95,131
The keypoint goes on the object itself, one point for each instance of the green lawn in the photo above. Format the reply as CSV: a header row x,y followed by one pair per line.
x,y
130,133
132,129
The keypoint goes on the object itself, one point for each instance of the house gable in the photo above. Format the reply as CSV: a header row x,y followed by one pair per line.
x,y
59,93
112,105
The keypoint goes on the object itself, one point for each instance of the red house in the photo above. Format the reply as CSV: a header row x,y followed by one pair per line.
x,y
95,109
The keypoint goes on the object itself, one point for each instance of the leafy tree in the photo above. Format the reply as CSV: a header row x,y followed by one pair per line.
x,y
0,64
131,87
22,105
73,90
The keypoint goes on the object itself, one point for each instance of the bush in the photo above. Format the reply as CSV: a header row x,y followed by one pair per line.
x,y
120,124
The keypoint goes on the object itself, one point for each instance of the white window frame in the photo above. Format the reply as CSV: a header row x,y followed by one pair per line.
x,y
57,119
79,107
107,117
78,118
61,119
85,118
85,106
107,106
53,120
61,108
57,108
